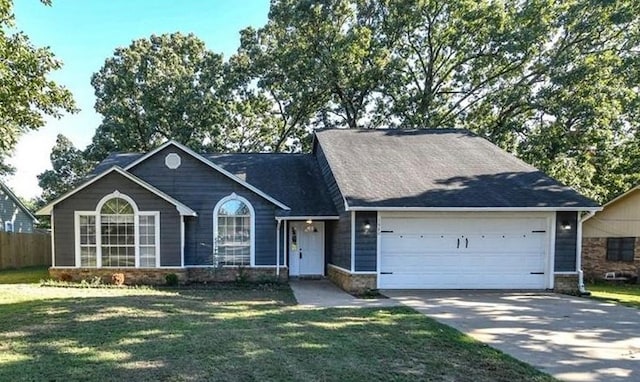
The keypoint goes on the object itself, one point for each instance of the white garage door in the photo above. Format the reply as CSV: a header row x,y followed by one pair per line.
x,y
479,252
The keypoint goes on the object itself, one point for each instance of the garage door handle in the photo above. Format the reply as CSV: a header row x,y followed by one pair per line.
x,y
386,273
537,273
466,243
458,246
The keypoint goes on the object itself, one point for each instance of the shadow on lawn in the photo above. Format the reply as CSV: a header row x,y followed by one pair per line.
x,y
202,335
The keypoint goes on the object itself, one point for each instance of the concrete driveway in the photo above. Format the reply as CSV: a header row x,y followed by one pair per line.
x,y
573,339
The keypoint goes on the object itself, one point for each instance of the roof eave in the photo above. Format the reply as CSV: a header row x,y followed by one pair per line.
x,y
473,209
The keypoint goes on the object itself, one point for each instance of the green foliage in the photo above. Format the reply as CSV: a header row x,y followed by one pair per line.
x,y
163,87
69,169
552,82
26,94
171,279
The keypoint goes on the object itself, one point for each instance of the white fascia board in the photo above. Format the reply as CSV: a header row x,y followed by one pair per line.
x,y
307,218
182,208
210,164
474,209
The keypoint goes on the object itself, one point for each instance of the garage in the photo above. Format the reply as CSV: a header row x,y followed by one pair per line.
x,y
464,250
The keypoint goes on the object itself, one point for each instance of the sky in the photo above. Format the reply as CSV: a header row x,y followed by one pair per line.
x,y
84,33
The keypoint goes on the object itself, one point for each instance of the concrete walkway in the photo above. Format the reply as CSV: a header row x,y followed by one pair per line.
x,y
324,294
573,339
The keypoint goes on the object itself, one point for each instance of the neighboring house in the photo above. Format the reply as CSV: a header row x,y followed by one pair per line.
x,y
14,216
367,208
611,238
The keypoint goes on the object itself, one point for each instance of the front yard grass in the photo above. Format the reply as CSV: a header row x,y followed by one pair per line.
x,y
23,275
627,294
232,334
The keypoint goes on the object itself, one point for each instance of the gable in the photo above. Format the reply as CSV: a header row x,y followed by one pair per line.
x,y
180,207
441,169
618,218
11,205
161,153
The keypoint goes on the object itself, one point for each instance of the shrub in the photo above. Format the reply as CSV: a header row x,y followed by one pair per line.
x,y
171,279
117,279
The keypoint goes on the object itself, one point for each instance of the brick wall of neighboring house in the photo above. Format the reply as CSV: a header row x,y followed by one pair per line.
x,y
595,263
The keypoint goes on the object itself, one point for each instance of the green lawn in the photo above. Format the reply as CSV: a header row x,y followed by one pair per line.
x,y
229,333
627,294
23,275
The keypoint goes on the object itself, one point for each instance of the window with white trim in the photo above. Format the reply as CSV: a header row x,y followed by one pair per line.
x,y
147,240
117,235
234,232
88,247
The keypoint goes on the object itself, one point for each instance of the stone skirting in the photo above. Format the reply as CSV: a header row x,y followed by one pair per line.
x,y
567,284
594,259
157,276
351,282
210,274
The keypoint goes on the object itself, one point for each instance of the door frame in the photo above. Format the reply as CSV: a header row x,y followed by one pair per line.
x,y
299,224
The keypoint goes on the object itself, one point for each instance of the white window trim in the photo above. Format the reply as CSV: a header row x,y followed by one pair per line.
x,y
96,214
252,234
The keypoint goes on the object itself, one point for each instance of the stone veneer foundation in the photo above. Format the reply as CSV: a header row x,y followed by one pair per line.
x,y
567,284
156,276
594,259
351,282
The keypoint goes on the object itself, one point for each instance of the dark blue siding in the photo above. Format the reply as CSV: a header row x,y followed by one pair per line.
x,y
87,200
338,232
366,241
566,245
201,187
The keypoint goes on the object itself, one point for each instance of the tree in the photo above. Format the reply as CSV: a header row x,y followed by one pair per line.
x,y
160,88
26,95
69,169
553,82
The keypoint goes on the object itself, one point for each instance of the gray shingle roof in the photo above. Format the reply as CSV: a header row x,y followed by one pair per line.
x,y
436,168
293,179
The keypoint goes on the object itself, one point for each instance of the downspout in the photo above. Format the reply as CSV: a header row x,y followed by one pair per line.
x,y
581,287
278,249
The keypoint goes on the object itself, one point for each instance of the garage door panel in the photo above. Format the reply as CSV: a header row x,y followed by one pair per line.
x,y
470,253
408,243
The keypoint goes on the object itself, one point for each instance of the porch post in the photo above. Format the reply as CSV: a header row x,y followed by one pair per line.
x,y
278,248
181,241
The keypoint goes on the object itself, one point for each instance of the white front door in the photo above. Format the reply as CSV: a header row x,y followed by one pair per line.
x,y
306,248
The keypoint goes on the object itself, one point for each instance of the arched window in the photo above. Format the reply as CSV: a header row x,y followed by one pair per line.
x,y
117,234
233,232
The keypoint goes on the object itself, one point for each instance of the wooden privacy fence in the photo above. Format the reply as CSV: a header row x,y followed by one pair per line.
x,y
19,250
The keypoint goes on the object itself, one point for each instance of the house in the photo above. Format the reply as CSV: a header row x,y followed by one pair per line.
x,y
611,238
14,216
366,208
